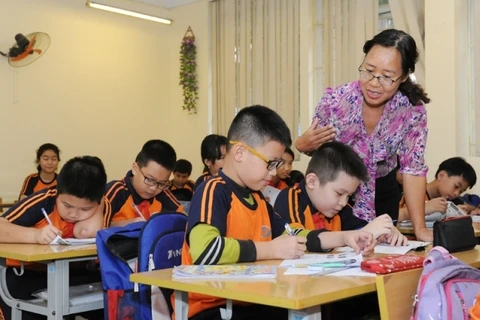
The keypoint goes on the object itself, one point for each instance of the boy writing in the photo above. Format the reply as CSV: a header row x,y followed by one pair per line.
x,y
320,201
75,208
144,191
231,222
453,177
181,186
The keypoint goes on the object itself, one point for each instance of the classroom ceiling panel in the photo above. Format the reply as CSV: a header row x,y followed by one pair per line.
x,y
169,4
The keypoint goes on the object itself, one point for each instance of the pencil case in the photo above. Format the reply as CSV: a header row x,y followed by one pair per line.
x,y
391,264
454,234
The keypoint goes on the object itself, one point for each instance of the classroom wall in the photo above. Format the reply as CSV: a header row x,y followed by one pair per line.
x,y
447,82
107,84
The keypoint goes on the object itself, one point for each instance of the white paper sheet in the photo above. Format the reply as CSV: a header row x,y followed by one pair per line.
x,y
387,249
72,241
271,193
352,272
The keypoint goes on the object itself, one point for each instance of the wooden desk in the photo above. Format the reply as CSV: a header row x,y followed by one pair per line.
x,y
57,259
299,294
476,228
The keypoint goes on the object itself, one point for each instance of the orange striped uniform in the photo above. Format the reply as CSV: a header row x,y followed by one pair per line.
x,y
34,183
294,205
205,176
281,184
182,194
122,196
235,218
28,213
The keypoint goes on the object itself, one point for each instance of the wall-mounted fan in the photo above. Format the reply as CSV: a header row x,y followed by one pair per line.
x,y
27,48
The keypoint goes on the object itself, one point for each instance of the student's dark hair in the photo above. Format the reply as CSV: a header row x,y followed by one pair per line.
x,y
183,166
84,178
157,151
458,167
290,152
335,157
211,148
257,125
296,176
406,46
45,147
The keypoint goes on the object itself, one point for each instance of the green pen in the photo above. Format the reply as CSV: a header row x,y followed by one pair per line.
x,y
336,264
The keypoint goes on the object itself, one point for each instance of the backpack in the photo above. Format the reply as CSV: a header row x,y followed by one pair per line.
x,y
138,247
447,288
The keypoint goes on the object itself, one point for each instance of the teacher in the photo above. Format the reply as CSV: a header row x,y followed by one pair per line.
x,y
382,116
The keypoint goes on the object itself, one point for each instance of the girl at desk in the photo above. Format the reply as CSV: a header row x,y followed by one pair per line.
x,y
48,157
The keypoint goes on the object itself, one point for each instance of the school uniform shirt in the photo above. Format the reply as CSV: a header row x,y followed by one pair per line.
x,y
402,129
34,183
224,221
205,176
28,213
403,204
122,196
294,205
182,194
281,184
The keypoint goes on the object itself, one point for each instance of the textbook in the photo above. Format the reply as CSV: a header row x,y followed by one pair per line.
x,y
72,241
219,272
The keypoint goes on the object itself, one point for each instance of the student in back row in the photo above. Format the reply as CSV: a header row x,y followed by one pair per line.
x,y
75,208
282,179
181,186
231,222
213,151
144,191
453,177
48,157
320,201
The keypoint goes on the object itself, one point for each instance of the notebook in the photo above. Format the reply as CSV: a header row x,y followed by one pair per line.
x,y
72,241
218,272
81,294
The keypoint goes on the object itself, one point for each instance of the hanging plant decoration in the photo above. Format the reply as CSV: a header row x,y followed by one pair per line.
x,y
188,74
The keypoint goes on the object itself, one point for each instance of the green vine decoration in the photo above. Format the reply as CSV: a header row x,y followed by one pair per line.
x,y
188,74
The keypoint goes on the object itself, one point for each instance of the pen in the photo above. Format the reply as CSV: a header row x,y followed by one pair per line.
x,y
138,211
46,217
289,230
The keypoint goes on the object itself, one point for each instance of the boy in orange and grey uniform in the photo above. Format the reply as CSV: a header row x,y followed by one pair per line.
x,y
143,191
231,222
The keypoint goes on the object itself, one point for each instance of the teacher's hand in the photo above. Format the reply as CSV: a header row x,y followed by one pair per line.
x,y
314,137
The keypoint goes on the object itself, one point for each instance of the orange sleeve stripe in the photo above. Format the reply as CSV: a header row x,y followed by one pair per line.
x,y
30,202
107,213
114,189
26,183
172,197
290,205
206,215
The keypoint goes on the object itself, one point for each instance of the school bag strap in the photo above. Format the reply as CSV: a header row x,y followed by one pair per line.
x,y
437,254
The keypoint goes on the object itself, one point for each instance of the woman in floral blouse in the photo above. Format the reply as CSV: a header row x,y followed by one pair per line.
x,y
381,115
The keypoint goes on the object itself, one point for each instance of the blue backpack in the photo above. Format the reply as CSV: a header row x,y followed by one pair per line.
x,y
138,247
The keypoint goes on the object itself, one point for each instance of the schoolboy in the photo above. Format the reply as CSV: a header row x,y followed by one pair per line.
x,y
282,179
75,207
143,191
231,222
453,177
181,186
212,150
320,201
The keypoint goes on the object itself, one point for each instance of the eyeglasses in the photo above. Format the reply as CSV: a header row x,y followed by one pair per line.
x,y
271,164
384,81
152,183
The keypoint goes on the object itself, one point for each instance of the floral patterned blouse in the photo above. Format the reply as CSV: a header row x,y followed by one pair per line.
x,y
402,129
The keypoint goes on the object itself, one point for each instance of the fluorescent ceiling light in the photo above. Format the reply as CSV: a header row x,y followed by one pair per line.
x,y
127,12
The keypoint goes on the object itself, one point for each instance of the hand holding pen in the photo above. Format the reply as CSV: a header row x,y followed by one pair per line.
x,y
48,233
138,212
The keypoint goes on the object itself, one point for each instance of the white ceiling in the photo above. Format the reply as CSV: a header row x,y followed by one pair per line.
x,y
168,4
